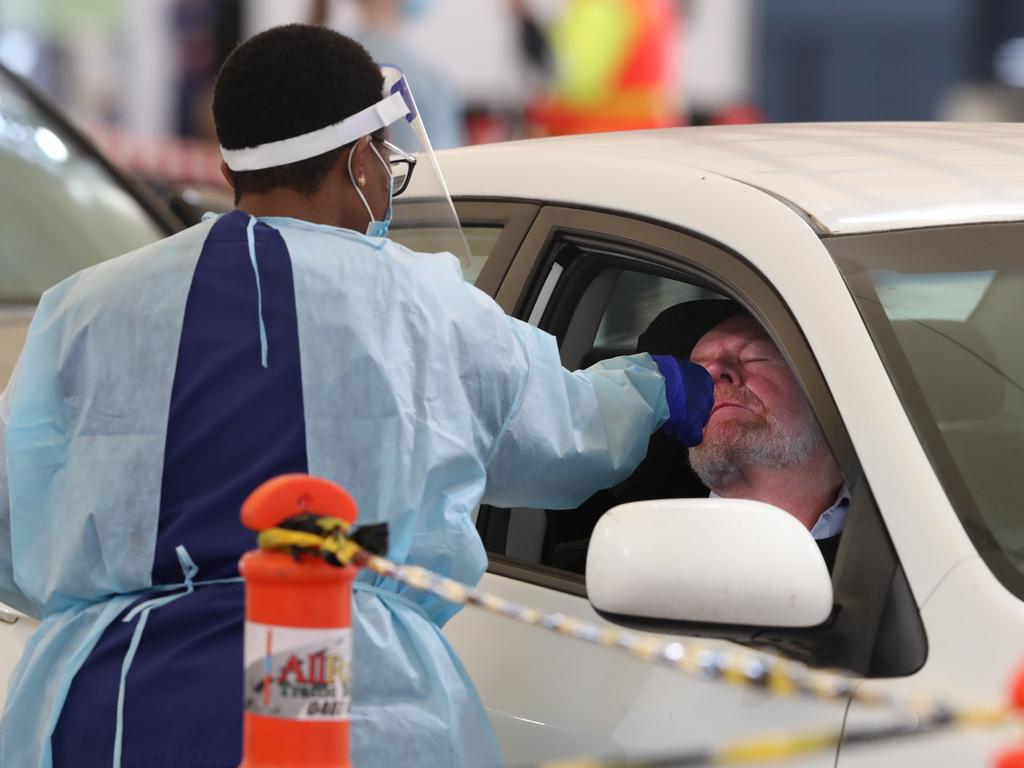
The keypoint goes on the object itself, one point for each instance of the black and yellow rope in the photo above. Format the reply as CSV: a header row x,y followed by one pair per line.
x,y
771,747
333,540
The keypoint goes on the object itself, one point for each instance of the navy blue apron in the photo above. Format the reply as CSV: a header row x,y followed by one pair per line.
x,y
233,423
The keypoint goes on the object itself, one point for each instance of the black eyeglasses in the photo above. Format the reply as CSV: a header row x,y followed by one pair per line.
x,y
401,164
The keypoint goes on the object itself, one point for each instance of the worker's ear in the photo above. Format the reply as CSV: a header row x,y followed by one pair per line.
x,y
360,153
226,173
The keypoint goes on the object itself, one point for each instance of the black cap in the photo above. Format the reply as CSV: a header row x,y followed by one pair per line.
x,y
676,330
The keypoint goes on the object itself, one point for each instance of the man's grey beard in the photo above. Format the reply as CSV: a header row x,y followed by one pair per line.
x,y
719,462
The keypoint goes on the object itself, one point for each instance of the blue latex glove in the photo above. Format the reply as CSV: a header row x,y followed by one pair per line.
x,y
690,393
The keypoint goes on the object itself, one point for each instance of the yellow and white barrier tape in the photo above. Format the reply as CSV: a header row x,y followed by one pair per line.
x,y
771,747
752,669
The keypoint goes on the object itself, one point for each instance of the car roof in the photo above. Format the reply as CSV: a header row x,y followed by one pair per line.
x,y
842,177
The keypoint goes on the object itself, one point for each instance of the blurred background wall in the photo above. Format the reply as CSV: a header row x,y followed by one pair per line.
x,y
138,73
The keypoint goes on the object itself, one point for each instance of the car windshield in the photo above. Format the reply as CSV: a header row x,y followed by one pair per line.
x,y
945,307
62,210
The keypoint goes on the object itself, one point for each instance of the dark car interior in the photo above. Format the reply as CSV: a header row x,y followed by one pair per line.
x,y
617,312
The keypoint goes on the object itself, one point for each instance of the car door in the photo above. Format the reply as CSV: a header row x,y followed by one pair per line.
x,y
594,280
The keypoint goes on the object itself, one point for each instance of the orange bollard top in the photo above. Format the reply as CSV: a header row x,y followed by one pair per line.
x,y
298,638
284,496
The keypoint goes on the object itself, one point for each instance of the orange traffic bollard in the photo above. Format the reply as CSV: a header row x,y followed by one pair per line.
x,y
298,637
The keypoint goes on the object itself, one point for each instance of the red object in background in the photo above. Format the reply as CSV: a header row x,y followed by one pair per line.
x,y
1017,691
484,127
298,615
737,114
651,59
1014,758
640,95
162,159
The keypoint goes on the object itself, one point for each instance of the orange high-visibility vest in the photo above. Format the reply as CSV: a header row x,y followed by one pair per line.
x,y
617,68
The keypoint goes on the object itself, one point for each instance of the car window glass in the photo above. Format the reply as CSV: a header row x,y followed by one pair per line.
x,y
427,239
944,308
62,209
931,295
636,300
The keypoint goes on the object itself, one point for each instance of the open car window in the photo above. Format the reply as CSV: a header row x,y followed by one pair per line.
x,y
597,302
616,307
595,281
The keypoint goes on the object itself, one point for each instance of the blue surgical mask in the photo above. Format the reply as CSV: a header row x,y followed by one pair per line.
x,y
413,8
376,227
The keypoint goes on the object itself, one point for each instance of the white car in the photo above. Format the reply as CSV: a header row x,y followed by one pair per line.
x,y
885,262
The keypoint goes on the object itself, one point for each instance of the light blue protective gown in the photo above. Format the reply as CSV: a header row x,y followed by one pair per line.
x,y
421,398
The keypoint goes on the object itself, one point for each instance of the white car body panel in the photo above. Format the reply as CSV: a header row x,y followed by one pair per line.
x,y
974,631
550,697
846,177
15,631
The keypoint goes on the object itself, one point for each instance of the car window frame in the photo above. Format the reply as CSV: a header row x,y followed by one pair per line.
x,y
514,217
876,628
166,220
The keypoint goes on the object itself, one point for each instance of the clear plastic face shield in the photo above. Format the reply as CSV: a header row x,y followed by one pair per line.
x,y
425,218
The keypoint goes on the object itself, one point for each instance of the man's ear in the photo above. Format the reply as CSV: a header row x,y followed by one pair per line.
x,y
226,173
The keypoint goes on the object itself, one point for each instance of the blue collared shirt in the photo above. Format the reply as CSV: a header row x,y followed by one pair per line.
x,y
831,521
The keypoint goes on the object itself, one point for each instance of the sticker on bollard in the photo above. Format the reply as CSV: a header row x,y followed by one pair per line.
x,y
298,674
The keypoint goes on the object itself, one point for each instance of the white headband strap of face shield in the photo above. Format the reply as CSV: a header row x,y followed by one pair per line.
x,y
380,115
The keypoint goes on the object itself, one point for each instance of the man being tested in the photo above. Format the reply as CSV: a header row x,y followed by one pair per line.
x,y
156,390
762,441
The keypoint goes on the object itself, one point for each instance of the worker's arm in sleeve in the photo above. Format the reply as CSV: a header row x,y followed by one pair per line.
x,y
9,592
569,434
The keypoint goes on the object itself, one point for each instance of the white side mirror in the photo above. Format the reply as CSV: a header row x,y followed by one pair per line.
x,y
722,561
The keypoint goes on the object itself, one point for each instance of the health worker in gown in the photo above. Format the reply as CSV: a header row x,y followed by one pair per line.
x,y
158,389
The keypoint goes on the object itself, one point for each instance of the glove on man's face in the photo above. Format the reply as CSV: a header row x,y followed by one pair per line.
x,y
760,416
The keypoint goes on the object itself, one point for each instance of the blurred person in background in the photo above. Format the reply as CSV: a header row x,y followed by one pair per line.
x,y
379,30
205,32
533,42
614,67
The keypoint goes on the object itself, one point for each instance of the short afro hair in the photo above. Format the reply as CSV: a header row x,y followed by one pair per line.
x,y
282,83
